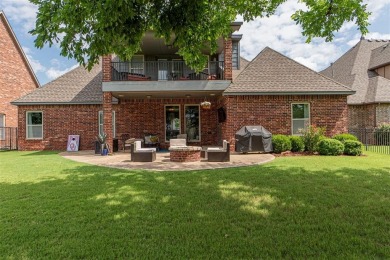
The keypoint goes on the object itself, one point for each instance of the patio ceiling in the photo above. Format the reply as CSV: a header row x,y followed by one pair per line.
x,y
167,94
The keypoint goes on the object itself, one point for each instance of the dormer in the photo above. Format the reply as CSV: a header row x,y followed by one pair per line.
x,y
380,61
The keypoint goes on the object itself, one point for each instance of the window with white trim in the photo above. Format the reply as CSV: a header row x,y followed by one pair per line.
x,y
2,125
34,125
101,122
300,117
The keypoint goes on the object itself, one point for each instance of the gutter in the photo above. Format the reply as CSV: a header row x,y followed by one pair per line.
x,y
288,93
54,103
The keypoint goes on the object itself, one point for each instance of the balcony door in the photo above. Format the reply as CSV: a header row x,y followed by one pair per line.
x,y
163,69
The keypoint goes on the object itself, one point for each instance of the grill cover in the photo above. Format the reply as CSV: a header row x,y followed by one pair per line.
x,y
253,139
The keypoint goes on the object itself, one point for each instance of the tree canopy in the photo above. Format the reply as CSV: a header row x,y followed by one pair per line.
x,y
88,29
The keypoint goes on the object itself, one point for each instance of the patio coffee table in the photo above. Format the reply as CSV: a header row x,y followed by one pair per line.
x,y
185,153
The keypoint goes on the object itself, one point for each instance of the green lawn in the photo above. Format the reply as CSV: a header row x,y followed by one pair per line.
x,y
295,207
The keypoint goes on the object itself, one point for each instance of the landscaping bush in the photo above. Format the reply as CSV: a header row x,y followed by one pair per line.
x,y
311,136
353,147
281,143
344,137
297,144
382,134
330,146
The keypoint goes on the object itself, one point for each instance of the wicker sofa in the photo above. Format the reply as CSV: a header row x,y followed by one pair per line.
x,y
219,154
139,154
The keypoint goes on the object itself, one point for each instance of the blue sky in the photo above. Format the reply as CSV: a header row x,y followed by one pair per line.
x,y
278,32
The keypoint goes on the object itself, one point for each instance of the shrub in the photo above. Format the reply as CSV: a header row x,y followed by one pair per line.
x,y
311,136
382,134
353,147
330,146
281,143
344,137
297,144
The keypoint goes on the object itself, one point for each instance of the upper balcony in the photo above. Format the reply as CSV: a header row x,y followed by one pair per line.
x,y
164,70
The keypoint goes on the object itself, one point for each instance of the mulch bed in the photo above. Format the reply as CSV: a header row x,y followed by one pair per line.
x,y
289,153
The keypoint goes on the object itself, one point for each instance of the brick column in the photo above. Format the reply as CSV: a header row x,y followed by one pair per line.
x,y
106,68
107,117
228,58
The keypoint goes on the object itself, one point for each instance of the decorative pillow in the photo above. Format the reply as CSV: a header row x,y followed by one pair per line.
x,y
154,138
151,139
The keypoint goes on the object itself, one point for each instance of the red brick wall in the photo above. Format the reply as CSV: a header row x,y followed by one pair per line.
x,y
107,117
135,117
59,121
274,113
16,79
228,50
362,116
106,68
383,112
140,116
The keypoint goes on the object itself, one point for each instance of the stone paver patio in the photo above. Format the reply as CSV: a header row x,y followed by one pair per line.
x,y
122,160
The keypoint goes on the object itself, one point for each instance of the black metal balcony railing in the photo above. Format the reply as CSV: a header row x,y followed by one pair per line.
x,y
164,70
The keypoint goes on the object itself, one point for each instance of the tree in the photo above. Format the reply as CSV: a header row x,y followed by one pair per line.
x,y
88,29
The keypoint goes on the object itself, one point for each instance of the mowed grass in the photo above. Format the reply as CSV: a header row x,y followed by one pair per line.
x,y
294,207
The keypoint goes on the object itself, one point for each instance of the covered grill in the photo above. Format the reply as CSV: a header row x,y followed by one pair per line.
x,y
253,139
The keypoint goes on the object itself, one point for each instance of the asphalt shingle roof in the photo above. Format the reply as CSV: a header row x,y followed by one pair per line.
x,y
78,86
273,73
380,56
243,63
353,70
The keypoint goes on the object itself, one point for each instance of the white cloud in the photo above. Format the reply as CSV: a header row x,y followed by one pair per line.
x,y
20,11
53,73
376,7
35,64
280,33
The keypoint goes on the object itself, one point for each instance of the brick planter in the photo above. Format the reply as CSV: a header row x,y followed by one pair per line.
x,y
185,154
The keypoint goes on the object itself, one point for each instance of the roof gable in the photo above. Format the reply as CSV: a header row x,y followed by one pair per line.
x,y
353,69
270,72
380,57
12,35
78,86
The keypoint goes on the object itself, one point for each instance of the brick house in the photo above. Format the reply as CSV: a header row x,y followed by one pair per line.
x,y
365,68
16,75
157,93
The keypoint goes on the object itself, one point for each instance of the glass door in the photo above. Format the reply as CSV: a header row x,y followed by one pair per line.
x,y
172,121
162,69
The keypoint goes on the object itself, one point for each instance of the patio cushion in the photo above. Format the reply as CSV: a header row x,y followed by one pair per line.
x,y
224,145
214,149
146,150
178,142
151,139
137,145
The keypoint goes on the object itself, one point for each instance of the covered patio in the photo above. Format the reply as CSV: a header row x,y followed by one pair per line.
x,y
122,160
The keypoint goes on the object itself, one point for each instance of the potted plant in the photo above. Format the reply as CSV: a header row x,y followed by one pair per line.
x,y
205,105
102,138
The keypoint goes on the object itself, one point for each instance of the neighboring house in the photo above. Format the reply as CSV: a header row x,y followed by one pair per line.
x,y
16,75
366,69
156,93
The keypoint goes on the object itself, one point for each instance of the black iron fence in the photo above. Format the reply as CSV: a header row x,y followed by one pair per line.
x,y
165,70
8,138
374,139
